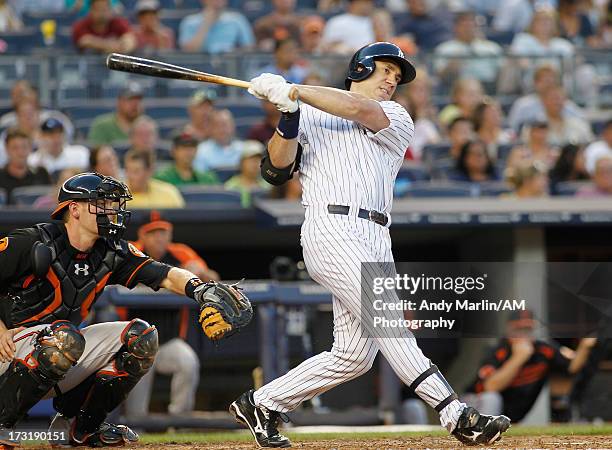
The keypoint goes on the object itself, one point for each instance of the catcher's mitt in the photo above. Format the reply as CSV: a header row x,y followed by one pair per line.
x,y
224,309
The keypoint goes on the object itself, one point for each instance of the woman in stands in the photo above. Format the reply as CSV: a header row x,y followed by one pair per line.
x,y
474,164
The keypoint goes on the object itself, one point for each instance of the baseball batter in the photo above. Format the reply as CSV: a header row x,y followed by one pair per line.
x,y
349,146
51,275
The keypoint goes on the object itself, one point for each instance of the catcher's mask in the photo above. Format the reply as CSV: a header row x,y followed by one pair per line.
x,y
106,196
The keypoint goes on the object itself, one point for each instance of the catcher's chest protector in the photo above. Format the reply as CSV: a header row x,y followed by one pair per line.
x,y
72,284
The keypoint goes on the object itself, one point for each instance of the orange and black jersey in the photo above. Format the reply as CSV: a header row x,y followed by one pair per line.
x,y
74,280
524,389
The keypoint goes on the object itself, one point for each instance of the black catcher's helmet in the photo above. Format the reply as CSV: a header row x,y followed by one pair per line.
x,y
362,63
107,199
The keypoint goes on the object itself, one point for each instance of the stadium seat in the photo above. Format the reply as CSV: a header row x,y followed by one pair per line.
x,y
503,151
210,194
435,152
2,197
569,188
225,174
27,195
428,189
494,188
413,173
441,169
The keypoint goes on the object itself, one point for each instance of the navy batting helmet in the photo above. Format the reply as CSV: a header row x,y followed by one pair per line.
x,y
107,199
362,63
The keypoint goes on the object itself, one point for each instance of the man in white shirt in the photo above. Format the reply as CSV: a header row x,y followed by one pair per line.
x,y
54,154
599,149
468,55
350,31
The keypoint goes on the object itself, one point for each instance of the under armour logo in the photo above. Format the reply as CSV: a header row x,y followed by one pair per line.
x,y
81,270
112,231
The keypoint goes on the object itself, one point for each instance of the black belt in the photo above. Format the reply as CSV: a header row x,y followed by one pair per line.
x,y
373,216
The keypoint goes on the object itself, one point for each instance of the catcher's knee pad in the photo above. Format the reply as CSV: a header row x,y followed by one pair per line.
x,y
56,349
104,391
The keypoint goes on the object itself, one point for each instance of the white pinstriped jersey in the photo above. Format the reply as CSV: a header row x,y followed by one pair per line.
x,y
344,163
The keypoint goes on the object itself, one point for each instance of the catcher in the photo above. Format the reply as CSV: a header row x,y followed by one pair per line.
x,y
51,275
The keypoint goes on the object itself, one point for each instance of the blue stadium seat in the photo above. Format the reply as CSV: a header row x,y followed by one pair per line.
x,y
2,197
436,189
442,168
225,174
413,173
435,152
569,188
210,194
34,19
494,188
27,195
20,41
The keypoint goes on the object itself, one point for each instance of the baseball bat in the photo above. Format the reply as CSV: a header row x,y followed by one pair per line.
x,y
153,68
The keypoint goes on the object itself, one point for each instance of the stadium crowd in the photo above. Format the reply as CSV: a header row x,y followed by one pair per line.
x,y
505,100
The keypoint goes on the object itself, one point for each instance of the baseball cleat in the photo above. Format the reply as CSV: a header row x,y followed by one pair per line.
x,y
262,422
107,434
474,428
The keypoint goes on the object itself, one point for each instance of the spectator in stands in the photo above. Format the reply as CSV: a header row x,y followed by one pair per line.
x,y
513,16
529,108
181,172
466,94
9,19
151,35
529,179
27,120
147,191
175,356
201,109
144,136
265,129
215,30
602,179
488,119
282,23
314,79
513,373
49,201
287,62
103,32
113,127
426,26
599,148
23,91
474,164
249,178
563,129
82,7
535,137
346,33
460,131
570,166
467,55
416,98
103,160
222,150
17,173
54,154
311,34
575,25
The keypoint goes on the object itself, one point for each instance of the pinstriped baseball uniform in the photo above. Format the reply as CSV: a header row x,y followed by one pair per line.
x,y
343,163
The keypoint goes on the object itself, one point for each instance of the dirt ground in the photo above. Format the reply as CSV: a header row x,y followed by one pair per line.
x,y
546,442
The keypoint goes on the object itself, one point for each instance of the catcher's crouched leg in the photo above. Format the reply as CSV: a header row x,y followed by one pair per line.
x,y
91,401
56,349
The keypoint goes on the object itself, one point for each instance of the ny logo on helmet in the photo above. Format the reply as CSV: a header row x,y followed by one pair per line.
x,y
81,270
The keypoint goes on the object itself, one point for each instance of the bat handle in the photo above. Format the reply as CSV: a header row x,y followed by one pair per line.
x,y
294,93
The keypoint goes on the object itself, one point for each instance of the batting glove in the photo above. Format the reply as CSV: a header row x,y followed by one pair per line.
x,y
263,84
279,95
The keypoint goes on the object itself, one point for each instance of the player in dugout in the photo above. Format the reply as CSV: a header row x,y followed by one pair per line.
x,y
175,356
514,372
52,274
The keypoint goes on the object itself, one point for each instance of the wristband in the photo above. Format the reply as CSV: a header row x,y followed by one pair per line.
x,y
191,286
288,125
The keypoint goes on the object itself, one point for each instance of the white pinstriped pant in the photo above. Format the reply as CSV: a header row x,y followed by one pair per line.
x,y
334,248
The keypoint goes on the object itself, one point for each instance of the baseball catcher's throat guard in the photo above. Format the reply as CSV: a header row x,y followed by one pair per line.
x,y
224,309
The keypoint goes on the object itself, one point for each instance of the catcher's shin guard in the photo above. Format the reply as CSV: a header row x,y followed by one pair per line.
x,y
108,388
57,348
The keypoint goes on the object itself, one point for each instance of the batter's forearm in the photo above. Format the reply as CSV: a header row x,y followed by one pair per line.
x,y
282,151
